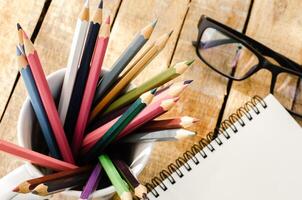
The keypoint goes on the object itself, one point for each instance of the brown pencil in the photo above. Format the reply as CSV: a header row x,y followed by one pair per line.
x,y
173,123
29,185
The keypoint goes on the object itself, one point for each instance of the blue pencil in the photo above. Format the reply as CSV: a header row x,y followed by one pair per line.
x,y
37,104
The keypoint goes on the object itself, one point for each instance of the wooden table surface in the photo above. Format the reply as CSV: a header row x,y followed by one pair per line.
x,y
50,23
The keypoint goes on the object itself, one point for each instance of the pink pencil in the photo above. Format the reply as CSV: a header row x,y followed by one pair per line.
x,y
171,91
35,157
47,100
93,77
149,113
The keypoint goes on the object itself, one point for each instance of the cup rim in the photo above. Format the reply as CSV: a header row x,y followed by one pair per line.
x,y
33,169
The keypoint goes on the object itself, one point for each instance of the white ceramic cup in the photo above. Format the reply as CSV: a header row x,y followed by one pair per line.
x,y
139,153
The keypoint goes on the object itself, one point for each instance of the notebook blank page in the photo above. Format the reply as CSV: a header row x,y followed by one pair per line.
x,y
262,161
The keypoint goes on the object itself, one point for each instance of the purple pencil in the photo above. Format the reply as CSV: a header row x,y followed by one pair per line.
x,y
92,183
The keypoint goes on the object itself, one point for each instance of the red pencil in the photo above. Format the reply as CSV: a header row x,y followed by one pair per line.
x,y
93,77
174,123
171,91
35,157
47,99
149,113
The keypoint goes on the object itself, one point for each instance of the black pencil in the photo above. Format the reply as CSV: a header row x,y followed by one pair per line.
x,y
82,74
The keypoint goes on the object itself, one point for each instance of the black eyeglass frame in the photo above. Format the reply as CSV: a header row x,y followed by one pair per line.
x,y
286,65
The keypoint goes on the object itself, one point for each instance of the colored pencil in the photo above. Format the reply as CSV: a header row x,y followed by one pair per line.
x,y
150,112
131,74
154,111
47,100
37,105
74,60
59,185
166,92
156,136
93,77
158,80
171,91
82,74
139,189
29,185
119,125
137,43
92,182
180,122
20,37
35,157
119,184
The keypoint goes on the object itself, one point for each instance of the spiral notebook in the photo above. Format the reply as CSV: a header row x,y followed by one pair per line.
x,y
257,157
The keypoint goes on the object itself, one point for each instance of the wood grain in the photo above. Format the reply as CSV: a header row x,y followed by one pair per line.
x,y
203,98
282,20
10,14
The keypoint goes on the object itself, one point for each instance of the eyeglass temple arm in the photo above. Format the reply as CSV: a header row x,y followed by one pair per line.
x,y
213,43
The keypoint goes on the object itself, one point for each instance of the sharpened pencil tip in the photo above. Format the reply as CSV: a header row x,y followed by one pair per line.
x,y
101,5
196,120
154,23
153,91
171,33
190,62
19,26
188,82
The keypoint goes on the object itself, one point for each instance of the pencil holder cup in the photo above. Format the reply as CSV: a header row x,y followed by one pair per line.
x,y
27,124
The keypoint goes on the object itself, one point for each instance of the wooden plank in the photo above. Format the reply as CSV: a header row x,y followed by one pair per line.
x,y
280,31
204,97
10,13
53,43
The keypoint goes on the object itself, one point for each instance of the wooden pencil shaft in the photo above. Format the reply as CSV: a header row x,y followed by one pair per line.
x,y
113,132
40,112
114,176
80,81
126,173
32,183
95,70
119,65
73,62
154,82
92,182
47,100
35,157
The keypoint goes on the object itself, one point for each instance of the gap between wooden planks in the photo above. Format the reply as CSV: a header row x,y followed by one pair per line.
x,y
10,13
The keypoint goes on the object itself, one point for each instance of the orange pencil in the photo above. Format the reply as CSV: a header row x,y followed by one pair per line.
x,y
35,157
47,99
93,77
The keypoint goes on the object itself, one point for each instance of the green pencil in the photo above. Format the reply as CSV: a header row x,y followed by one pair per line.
x,y
119,184
109,79
158,80
119,126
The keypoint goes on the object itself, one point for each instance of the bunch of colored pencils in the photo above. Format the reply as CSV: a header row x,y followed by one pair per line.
x,y
72,132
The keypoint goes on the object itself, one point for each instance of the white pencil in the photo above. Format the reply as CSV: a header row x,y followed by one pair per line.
x,y
74,60
156,136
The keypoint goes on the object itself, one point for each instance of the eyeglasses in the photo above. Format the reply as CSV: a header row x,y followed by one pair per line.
x,y
237,57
